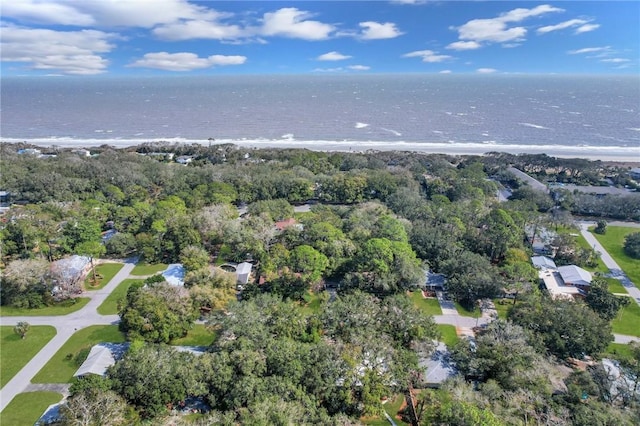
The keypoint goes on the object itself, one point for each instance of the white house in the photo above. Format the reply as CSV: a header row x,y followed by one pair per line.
x,y
575,276
543,262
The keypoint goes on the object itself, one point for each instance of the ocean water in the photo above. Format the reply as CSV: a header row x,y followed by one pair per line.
x,y
489,111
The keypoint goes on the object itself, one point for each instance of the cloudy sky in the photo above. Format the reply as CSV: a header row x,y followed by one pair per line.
x,y
147,37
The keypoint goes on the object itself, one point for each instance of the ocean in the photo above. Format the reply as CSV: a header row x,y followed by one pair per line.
x,y
486,112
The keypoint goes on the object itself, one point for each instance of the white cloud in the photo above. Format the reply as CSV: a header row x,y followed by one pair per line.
x,y
561,26
332,56
184,61
486,70
589,50
337,69
464,45
377,31
45,12
201,29
427,56
293,23
359,67
615,60
70,52
497,30
587,28
445,72
408,1
107,13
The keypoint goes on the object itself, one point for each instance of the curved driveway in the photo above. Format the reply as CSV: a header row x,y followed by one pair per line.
x,y
65,326
608,261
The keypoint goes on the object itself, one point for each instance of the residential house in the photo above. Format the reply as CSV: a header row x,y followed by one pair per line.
x,y
543,262
101,357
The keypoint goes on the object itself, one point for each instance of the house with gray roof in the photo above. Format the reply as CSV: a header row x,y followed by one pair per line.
x,y
543,262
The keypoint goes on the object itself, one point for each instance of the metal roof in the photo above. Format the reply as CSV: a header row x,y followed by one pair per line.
x,y
574,275
541,262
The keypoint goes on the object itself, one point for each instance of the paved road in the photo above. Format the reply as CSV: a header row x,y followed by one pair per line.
x,y
615,269
624,339
65,326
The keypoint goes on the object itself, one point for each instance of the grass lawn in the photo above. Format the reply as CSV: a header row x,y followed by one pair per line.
x,y
476,313
391,407
618,350
627,320
62,308
449,335
428,306
110,304
104,273
17,352
143,268
59,369
26,408
615,286
197,336
503,307
613,242
584,244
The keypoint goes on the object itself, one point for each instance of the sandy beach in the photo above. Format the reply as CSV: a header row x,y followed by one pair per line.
x,y
603,153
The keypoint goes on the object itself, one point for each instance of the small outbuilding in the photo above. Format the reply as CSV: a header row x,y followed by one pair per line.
x,y
243,272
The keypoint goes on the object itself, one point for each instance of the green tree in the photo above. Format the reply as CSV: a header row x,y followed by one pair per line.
x,y
501,352
602,301
194,258
567,328
470,277
159,313
121,244
93,250
601,227
21,329
155,377
632,245
78,231
309,262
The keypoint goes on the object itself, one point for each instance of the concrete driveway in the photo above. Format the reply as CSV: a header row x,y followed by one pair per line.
x,y
65,326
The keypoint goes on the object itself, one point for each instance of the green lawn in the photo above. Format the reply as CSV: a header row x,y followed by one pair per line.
x,y
628,320
148,269
476,313
429,306
615,286
26,408
584,244
391,407
104,272
61,367
110,304
618,350
17,352
613,242
197,336
62,308
449,335
502,306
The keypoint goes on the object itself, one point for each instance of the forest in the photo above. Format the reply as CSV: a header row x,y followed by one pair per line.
x,y
375,223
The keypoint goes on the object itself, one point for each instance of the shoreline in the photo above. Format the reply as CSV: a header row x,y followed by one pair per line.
x,y
603,153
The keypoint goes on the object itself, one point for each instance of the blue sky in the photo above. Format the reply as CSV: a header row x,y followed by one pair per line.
x,y
149,37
